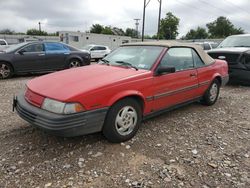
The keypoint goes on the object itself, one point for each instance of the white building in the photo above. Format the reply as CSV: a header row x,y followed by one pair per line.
x,y
79,39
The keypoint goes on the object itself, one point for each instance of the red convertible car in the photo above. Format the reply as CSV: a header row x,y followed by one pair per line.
x,y
133,83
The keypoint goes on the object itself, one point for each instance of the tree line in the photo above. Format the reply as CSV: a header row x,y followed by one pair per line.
x,y
169,25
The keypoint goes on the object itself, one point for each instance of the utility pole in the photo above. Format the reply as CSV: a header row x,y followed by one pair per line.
x,y
39,23
159,20
143,21
137,26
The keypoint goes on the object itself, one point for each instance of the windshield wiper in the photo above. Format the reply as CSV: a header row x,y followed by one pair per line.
x,y
127,64
105,61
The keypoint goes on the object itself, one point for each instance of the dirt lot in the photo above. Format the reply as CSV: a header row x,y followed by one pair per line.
x,y
195,146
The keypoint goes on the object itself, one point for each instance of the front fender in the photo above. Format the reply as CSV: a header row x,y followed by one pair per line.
x,y
125,94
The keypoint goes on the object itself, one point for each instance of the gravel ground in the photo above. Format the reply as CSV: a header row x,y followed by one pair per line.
x,y
195,146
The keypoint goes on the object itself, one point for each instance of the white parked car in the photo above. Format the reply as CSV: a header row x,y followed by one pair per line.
x,y
3,42
207,45
96,51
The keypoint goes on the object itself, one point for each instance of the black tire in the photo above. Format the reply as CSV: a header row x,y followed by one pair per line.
x,y
113,120
6,70
212,94
73,63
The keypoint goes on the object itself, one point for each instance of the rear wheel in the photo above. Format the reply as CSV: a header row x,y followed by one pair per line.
x,y
73,63
212,93
6,71
123,120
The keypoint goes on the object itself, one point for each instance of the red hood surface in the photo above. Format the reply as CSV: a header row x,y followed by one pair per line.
x,y
64,85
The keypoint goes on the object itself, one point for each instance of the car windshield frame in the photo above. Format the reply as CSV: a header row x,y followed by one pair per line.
x,y
235,41
139,57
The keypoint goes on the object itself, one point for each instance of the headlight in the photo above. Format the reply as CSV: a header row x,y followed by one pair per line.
x,y
60,107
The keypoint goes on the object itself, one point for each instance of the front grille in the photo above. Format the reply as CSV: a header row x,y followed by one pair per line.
x,y
230,58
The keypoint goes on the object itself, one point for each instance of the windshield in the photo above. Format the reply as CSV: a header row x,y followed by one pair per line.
x,y
235,41
14,47
87,47
141,57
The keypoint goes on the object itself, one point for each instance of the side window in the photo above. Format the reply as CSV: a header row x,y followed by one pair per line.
x,y
2,42
180,58
197,60
102,48
206,46
55,47
33,48
95,48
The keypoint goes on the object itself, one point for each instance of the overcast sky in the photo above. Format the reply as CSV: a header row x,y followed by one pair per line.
x,y
74,15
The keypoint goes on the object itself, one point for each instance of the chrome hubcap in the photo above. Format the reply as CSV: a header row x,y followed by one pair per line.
x,y
213,92
74,64
4,71
126,120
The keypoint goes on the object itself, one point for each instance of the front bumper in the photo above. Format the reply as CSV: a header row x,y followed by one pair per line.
x,y
61,125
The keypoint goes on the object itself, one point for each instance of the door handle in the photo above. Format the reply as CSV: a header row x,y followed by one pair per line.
x,y
41,54
193,75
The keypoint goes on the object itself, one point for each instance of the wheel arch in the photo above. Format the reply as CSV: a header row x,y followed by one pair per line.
x,y
128,94
9,63
74,57
218,77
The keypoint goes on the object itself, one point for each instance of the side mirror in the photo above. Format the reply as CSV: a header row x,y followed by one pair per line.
x,y
92,49
21,52
163,70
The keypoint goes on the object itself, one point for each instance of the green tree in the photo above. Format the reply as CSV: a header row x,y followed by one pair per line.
x,y
222,27
198,33
131,32
107,30
96,28
169,26
7,31
36,32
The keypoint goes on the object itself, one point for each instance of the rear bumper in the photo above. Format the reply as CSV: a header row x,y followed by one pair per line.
x,y
224,80
61,125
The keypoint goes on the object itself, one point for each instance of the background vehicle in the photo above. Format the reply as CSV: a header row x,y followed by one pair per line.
x,y
40,57
3,42
235,50
97,51
134,82
207,45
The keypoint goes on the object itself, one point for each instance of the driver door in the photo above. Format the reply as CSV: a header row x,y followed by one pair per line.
x,y
175,88
30,58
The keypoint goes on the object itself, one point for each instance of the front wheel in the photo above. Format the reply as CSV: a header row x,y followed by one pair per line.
x,y
212,93
6,71
73,63
123,120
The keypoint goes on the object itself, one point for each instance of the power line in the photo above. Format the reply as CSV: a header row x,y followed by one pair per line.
x,y
235,5
198,8
218,8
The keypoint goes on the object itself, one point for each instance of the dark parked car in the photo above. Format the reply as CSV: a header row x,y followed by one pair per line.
x,y
40,57
235,50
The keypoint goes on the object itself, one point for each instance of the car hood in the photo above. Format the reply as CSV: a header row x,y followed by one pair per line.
x,y
232,49
64,85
